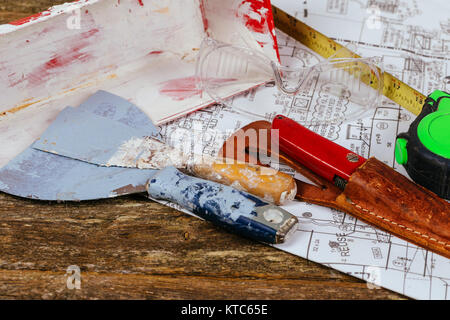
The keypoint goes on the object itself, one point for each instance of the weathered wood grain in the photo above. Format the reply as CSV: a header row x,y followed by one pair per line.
x,y
16,9
132,248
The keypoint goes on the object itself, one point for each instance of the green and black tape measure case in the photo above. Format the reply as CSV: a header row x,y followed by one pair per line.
x,y
424,150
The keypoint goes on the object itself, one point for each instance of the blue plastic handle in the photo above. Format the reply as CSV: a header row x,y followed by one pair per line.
x,y
235,210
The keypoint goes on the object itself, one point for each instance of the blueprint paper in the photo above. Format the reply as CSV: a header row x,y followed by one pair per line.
x,y
414,39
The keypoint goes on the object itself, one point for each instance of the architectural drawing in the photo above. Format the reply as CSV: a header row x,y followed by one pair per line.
x,y
414,40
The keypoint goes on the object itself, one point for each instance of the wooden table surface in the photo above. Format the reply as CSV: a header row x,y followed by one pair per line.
x,y
132,248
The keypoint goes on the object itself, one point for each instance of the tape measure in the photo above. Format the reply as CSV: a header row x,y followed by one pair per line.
x,y
393,88
424,150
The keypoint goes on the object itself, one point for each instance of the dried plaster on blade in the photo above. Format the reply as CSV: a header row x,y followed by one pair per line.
x,y
148,153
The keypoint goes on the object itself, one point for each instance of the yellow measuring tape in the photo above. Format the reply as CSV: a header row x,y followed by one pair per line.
x,y
393,89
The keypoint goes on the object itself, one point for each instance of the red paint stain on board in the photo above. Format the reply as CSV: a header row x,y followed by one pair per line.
x,y
58,61
271,24
258,17
203,13
254,14
184,88
154,52
180,89
30,18
141,3
261,43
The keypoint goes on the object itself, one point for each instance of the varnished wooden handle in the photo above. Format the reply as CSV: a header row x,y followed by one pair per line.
x,y
266,183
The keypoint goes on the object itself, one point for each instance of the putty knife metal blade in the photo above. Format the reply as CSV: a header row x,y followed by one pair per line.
x,y
41,175
110,106
95,130
82,135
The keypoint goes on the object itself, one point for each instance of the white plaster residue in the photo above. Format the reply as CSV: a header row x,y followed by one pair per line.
x,y
147,153
3,186
127,153
269,198
159,155
237,186
288,196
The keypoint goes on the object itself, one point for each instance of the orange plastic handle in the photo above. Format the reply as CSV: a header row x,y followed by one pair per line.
x,y
266,183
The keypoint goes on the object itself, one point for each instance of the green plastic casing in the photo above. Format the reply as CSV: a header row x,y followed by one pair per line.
x,y
424,150
434,130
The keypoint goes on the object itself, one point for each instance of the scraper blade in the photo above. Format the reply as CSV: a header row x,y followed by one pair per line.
x,y
110,106
96,130
41,175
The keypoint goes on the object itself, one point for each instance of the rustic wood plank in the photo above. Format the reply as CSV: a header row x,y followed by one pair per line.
x,y
51,285
11,10
134,248
134,245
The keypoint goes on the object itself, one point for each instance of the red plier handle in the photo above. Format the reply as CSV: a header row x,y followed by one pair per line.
x,y
324,157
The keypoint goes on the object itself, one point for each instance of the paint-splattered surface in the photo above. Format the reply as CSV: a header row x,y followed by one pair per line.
x,y
138,249
63,55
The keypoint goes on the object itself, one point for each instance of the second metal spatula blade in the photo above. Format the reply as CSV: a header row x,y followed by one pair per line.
x,y
110,106
97,130
87,137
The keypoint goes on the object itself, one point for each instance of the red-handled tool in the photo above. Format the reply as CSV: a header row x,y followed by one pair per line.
x,y
324,157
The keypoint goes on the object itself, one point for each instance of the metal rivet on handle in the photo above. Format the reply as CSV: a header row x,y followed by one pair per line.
x,y
352,157
273,216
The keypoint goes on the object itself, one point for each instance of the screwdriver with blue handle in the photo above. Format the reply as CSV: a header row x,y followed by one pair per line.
x,y
424,150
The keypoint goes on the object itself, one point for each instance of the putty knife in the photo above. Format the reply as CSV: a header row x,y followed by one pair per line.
x,y
41,175
86,134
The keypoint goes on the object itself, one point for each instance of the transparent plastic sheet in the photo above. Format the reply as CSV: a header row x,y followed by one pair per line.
x,y
221,68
